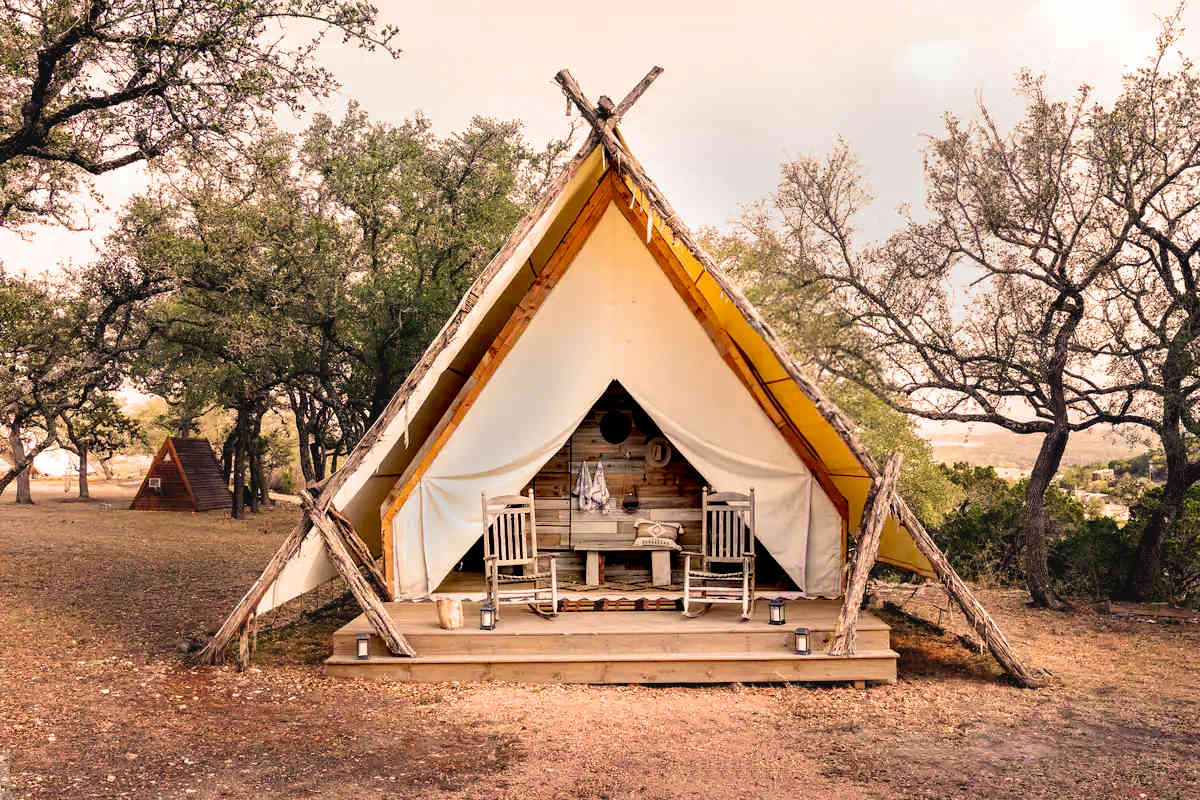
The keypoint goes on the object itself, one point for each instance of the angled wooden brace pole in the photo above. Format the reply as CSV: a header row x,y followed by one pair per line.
x,y
875,513
362,590
981,621
240,617
362,555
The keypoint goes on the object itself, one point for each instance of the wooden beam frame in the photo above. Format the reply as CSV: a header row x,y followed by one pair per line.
x,y
553,270
187,484
368,600
876,510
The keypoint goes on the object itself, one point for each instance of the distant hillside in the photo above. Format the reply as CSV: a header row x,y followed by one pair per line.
x,y
989,445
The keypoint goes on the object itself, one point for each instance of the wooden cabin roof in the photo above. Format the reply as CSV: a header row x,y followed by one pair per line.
x,y
191,479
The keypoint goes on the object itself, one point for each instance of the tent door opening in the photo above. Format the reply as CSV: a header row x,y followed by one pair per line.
x,y
619,434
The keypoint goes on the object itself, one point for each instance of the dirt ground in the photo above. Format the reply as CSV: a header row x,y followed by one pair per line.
x,y
95,701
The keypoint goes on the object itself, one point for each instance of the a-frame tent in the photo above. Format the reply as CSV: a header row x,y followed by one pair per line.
x,y
184,476
601,281
595,209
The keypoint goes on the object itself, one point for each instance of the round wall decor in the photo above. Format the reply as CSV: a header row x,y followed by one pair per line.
x,y
645,423
658,452
615,427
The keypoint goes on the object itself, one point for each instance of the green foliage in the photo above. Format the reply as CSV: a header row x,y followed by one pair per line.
x,y
923,483
1178,579
1089,558
101,428
89,87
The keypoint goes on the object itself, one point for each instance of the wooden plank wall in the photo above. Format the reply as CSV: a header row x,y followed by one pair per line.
x,y
661,491
174,495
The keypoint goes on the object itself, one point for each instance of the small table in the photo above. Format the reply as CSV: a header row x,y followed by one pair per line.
x,y
660,561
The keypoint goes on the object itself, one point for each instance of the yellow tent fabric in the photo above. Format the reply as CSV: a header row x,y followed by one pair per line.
x,y
896,546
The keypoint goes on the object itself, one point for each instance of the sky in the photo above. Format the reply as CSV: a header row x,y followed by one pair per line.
x,y
745,86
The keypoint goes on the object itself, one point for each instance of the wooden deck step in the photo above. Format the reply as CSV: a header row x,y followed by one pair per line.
x,y
617,647
625,667
761,638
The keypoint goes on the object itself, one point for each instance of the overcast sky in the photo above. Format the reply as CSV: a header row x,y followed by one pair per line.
x,y
744,88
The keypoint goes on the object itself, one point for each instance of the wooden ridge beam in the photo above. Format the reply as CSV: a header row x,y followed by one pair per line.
x,y
876,510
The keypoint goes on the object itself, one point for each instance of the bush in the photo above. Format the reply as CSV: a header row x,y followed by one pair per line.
x,y
1179,581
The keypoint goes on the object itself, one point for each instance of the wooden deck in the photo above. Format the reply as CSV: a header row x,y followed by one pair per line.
x,y
618,647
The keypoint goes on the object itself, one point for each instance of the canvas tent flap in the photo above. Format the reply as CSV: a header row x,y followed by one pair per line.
x,y
614,315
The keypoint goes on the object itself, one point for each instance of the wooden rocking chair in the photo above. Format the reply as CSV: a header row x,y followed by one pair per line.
x,y
510,540
726,570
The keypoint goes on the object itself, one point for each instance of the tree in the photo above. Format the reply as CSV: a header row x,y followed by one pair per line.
x,y
421,215
1148,147
756,255
34,343
98,428
91,86
1019,218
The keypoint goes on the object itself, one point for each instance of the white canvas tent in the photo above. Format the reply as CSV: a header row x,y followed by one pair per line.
x,y
411,487
517,364
614,315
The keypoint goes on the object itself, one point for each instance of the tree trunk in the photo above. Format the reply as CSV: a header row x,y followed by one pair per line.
x,y
227,453
239,466
1033,519
17,448
1142,581
83,469
303,437
318,460
106,469
258,488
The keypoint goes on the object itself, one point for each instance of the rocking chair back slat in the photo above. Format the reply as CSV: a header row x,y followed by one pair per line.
x,y
728,525
726,569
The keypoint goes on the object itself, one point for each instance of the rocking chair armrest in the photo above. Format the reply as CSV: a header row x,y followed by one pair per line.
x,y
547,556
689,554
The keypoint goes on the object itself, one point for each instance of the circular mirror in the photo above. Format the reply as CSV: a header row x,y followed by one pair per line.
x,y
615,427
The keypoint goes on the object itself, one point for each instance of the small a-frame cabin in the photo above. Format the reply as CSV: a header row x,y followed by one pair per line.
x,y
601,333
184,476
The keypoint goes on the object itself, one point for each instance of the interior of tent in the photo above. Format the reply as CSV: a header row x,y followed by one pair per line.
x,y
647,479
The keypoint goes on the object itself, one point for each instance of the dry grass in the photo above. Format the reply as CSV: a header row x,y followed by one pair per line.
x,y
96,703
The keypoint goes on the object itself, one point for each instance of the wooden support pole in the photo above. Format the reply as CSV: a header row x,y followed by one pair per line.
x,y
877,509
237,619
976,614
362,556
360,587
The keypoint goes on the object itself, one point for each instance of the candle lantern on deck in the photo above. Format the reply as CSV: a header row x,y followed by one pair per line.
x,y
777,611
487,617
363,644
801,641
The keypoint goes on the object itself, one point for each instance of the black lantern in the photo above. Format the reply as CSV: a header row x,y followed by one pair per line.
x,y
487,617
363,642
801,637
776,611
